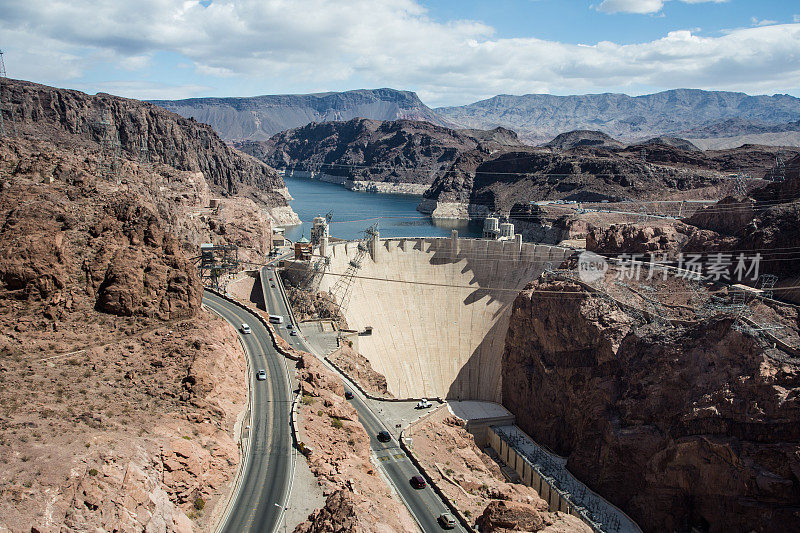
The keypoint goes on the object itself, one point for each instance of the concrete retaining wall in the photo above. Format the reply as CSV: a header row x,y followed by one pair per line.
x,y
514,448
439,309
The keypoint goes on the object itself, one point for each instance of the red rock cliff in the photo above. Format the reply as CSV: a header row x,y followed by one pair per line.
x,y
689,426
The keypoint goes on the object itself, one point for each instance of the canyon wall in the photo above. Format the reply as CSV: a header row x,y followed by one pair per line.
x,y
69,118
688,426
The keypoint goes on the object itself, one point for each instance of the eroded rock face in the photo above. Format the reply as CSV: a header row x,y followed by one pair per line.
x,y
147,274
72,117
690,426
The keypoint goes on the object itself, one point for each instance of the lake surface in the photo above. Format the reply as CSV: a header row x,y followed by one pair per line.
x,y
353,212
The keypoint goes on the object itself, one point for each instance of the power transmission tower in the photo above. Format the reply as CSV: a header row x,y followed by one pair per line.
x,y
341,290
740,184
3,77
778,172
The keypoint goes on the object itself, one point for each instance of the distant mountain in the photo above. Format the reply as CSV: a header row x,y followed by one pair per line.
x,y
734,127
379,155
258,118
539,117
577,138
674,142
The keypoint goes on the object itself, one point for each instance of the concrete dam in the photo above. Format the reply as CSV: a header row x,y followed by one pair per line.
x,y
438,308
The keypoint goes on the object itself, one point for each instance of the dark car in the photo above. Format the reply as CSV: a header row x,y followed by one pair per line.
x,y
273,285
418,482
384,436
348,395
288,326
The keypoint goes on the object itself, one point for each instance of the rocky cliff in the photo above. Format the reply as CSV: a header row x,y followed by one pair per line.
x,y
691,426
503,179
70,118
258,118
362,150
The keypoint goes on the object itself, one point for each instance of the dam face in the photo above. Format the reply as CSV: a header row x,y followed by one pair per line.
x,y
438,308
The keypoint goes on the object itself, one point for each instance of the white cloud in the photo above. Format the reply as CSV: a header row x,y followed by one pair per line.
x,y
374,43
643,7
631,6
762,22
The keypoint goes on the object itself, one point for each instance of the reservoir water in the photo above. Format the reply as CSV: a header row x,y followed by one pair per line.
x,y
353,212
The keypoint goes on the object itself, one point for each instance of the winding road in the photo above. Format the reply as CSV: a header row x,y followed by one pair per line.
x,y
263,488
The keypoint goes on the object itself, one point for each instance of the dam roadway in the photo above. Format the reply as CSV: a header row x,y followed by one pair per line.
x,y
263,488
424,505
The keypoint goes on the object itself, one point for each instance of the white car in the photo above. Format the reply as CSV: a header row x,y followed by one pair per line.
x,y
261,375
246,329
423,404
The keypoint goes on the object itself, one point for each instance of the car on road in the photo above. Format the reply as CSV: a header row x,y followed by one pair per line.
x,y
447,521
384,436
289,326
271,279
423,404
246,329
418,482
293,333
273,285
261,375
348,395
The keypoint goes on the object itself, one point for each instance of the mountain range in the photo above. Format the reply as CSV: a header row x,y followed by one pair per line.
x,y
258,118
539,117
536,118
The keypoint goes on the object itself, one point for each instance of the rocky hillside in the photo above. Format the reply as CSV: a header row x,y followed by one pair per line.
x,y
398,151
763,223
689,426
483,181
258,118
574,139
539,117
675,142
118,393
68,118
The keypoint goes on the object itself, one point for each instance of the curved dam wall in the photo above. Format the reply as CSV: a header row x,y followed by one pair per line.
x,y
439,309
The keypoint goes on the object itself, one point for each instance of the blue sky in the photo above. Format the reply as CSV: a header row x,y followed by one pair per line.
x,y
450,52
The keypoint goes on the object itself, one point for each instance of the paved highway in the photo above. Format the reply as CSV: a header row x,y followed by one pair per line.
x,y
424,505
267,471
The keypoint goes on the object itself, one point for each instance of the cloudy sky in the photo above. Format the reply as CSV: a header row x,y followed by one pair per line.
x,y
451,52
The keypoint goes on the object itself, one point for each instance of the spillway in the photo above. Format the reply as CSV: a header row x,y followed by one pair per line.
x,y
438,308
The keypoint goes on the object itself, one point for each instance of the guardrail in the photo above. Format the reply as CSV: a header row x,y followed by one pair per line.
x,y
434,486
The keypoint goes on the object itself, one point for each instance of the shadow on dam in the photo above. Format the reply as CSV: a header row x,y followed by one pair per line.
x,y
438,308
